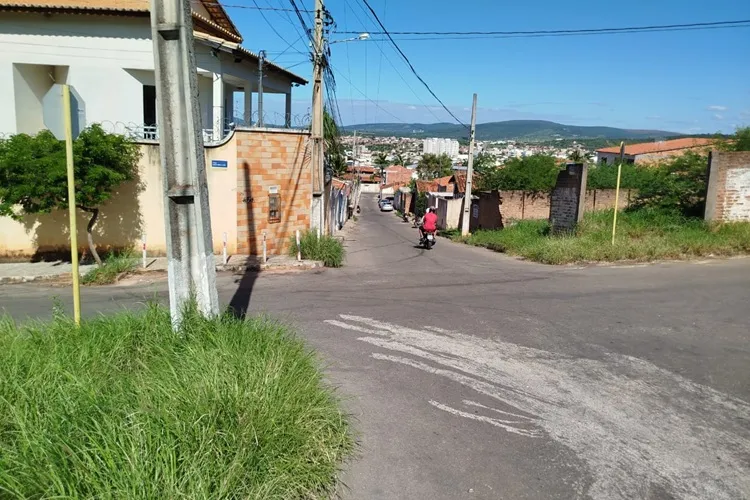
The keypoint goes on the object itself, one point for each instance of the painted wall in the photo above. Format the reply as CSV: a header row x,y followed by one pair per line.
x,y
136,209
107,59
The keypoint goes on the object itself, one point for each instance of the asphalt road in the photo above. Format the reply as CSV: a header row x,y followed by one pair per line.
x,y
473,375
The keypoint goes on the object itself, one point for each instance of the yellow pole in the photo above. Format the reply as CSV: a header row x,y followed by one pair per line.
x,y
617,190
72,203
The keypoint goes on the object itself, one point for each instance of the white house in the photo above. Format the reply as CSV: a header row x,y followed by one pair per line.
x,y
103,49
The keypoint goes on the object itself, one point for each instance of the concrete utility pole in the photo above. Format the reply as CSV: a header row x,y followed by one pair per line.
x,y
318,203
469,171
261,60
191,266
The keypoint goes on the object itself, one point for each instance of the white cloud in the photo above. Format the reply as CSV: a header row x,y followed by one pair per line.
x,y
716,107
412,107
717,116
653,117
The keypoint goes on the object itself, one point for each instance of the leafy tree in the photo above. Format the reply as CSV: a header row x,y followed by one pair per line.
x,y
631,176
483,163
433,166
401,159
740,141
677,184
536,174
335,155
578,156
381,161
420,199
33,173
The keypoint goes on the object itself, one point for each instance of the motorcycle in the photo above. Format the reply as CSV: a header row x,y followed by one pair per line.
x,y
428,240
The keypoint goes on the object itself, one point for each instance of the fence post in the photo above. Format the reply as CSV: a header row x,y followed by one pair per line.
x,y
143,251
225,256
299,250
265,254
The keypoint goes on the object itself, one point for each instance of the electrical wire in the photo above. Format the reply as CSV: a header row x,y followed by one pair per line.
x,y
378,44
411,66
380,61
497,37
365,95
558,32
256,7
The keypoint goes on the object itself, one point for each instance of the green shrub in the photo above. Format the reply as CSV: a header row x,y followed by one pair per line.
x,y
124,407
326,249
642,235
679,184
114,265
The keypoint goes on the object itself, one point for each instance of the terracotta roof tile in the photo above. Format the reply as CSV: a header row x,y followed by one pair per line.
x,y
219,18
661,146
460,181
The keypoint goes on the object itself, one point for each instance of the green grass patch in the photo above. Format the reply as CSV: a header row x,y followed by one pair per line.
x,y
123,407
113,266
642,235
326,249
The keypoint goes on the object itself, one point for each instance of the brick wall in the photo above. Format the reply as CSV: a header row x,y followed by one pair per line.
x,y
518,205
567,199
728,197
268,160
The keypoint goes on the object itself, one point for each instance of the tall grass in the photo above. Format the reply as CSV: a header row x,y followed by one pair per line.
x,y
123,407
327,249
113,266
642,235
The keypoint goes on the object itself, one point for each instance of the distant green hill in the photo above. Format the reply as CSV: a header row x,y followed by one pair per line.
x,y
526,130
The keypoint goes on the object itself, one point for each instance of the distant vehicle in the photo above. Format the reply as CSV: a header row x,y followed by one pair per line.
x,y
386,206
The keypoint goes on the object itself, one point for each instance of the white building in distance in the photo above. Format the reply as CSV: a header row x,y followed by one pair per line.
x,y
437,146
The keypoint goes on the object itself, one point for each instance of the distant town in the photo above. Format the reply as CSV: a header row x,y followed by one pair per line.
x,y
361,151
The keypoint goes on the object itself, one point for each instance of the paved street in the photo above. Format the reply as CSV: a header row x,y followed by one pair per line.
x,y
473,375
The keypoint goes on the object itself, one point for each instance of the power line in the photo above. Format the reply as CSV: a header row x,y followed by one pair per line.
x,y
378,44
557,32
497,37
380,61
411,66
257,7
365,96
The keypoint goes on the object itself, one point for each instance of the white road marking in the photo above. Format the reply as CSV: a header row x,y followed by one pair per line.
x,y
637,426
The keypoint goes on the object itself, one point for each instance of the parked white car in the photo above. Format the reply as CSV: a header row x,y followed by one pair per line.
x,y
386,206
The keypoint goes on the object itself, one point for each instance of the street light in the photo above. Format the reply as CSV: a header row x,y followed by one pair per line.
x,y
360,37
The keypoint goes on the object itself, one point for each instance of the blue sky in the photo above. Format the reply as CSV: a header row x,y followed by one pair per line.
x,y
684,81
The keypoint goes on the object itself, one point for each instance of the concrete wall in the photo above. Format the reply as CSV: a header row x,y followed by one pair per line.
x,y
271,160
449,213
728,197
134,211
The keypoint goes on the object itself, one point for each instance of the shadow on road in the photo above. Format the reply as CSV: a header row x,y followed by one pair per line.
x,y
240,302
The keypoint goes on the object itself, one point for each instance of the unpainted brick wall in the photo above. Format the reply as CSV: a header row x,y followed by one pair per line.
x,y
728,197
519,205
565,201
267,158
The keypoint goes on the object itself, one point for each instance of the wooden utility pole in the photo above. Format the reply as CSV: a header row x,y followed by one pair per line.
x,y
469,171
191,265
318,217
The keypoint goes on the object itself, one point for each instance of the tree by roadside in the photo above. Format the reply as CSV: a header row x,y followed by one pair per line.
x,y
33,173
433,166
381,161
534,174
579,156
335,155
